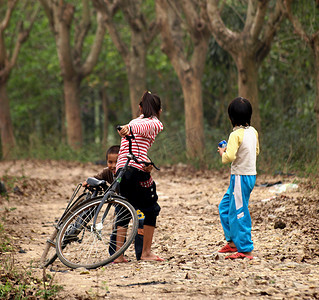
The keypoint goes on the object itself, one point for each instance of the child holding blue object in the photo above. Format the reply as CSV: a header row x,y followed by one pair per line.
x,y
242,150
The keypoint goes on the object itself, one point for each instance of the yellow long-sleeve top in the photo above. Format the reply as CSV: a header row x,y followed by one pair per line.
x,y
242,150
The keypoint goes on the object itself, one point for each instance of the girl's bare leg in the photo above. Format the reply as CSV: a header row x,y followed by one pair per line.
x,y
147,253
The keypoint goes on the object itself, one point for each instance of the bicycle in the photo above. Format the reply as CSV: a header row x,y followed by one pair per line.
x,y
83,233
95,187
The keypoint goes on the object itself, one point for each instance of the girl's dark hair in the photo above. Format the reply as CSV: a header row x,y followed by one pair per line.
x,y
112,150
150,104
240,111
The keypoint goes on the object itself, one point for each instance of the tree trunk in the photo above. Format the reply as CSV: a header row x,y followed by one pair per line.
x,y
136,72
193,104
142,32
73,112
97,122
250,46
6,128
316,106
248,85
178,34
104,99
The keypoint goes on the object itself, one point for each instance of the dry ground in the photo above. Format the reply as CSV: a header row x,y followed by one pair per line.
x,y
285,264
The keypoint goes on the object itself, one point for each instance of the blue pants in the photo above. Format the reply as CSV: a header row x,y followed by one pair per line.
x,y
234,213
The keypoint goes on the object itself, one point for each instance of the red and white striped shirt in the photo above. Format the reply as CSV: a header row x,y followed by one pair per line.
x,y
145,130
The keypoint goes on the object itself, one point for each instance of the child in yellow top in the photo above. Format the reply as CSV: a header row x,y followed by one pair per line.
x,y
241,151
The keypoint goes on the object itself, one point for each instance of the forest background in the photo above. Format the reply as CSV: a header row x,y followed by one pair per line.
x,y
70,71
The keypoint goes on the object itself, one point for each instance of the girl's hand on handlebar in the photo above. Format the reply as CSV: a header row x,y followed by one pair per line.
x,y
148,168
124,131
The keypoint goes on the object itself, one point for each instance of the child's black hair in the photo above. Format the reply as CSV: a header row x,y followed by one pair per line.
x,y
112,150
151,104
240,111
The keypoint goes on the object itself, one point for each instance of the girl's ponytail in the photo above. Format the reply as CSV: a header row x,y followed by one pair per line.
x,y
150,104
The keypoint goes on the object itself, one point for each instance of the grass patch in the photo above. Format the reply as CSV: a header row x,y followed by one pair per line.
x,y
21,283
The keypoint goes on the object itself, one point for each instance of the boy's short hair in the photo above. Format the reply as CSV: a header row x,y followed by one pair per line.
x,y
112,150
240,111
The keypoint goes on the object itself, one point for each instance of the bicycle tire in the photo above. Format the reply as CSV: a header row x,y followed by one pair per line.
x,y
79,245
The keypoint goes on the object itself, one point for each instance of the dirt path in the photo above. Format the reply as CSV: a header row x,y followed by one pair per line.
x,y
188,237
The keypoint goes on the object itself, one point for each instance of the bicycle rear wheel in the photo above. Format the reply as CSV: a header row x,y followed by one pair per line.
x,y
79,244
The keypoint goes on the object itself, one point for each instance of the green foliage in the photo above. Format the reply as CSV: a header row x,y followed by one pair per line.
x,y
307,15
35,86
287,85
56,150
286,95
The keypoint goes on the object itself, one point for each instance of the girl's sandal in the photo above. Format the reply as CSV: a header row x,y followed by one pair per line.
x,y
238,255
227,249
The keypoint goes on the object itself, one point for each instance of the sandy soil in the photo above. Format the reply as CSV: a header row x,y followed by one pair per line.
x,y
188,235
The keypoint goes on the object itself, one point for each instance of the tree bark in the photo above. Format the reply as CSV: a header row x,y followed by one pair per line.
x,y
105,106
188,66
312,40
73,112
136,71
8,59
316,107
7,136
73,67
134,55
194,126
248,84
248,47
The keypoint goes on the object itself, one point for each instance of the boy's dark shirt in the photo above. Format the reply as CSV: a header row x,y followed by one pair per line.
x,y
106,174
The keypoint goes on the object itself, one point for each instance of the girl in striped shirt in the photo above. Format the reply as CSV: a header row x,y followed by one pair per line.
x,y
137,184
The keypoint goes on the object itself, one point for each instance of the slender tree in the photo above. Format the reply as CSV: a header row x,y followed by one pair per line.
x,y
185,37
311,37
142,32
8,59
74,67
249,46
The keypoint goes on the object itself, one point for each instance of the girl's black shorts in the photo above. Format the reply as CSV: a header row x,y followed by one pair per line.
x,y
140,190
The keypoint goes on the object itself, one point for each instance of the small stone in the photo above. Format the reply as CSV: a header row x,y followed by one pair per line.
x,y
280,224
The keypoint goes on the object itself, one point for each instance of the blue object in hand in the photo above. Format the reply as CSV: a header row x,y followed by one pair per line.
x,y
222,144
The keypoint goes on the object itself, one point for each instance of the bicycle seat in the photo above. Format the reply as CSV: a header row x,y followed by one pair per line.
x,y
95,182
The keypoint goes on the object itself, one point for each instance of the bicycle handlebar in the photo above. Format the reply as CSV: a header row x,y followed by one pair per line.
x,y
130,138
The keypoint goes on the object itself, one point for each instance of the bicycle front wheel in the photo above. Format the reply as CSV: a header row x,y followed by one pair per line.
x,y
81,244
